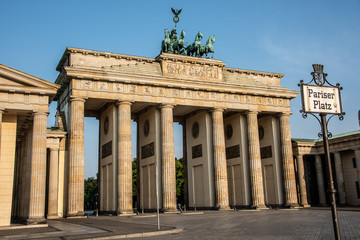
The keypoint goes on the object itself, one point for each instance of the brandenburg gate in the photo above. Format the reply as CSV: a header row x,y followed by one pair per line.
x,y
237,143
237,149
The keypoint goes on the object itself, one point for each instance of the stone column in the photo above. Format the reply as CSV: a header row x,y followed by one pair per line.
x,y
288,162
1,113
339,178
38,169
25,174
256,175
76,159
320,180
220,168
168,158
124,199
53,184
302,182
357,159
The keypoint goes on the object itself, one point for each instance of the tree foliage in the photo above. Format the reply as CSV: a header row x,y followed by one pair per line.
x,y
179,179
134,177
91,191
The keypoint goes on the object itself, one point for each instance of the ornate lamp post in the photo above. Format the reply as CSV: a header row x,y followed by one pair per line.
x,y
323,100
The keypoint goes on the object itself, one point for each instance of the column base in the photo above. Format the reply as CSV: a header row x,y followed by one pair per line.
x,y
169,210
259,207
306,205
222,208
76,215
128,212
292,205
52,216
32,221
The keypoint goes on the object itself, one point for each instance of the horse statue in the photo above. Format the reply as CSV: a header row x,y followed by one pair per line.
x,y
208,47
179,44
166,43
195,46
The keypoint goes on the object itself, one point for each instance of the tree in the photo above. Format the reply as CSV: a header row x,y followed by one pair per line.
x,y
91,191
134,177
179,180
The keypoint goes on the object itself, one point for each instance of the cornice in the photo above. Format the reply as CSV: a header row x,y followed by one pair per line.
x,y
253,72
71,50
26,79
189,59
143,79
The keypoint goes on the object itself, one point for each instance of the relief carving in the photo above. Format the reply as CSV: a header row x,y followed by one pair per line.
x,y
192,70
147,150
118,87
196,151
147,90
106,150
266,152
86,85
103,86
175,92
233,152
162,91
132,89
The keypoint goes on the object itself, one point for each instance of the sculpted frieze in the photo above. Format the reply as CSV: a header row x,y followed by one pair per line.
x,y
158,91
87,85
147,90
102,86
191,70
118,87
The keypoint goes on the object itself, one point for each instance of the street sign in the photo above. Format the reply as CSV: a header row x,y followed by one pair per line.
x,y
321,99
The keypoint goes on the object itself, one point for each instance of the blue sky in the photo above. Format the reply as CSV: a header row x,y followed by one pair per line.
x,y
275,36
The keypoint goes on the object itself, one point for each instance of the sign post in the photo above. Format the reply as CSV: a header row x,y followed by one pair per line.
x,y
323,100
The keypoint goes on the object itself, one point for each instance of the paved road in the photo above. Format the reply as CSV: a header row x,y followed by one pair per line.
x,y
265,224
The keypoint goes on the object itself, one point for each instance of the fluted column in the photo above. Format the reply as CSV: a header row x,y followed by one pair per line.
x,y
38,169
168,158
124,199
288,162
220,168
26,174
339,178
256,176
302,182
76,159
1,113
320,180
357,159
53,184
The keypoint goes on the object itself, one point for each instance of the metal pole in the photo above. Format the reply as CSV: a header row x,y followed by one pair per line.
x,y
331,188
157,198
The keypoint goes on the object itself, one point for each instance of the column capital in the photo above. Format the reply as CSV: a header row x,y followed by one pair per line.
x,y
41,113
120,102
167,105
218,109
2,110
74,99
249,112
54,149
284,114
